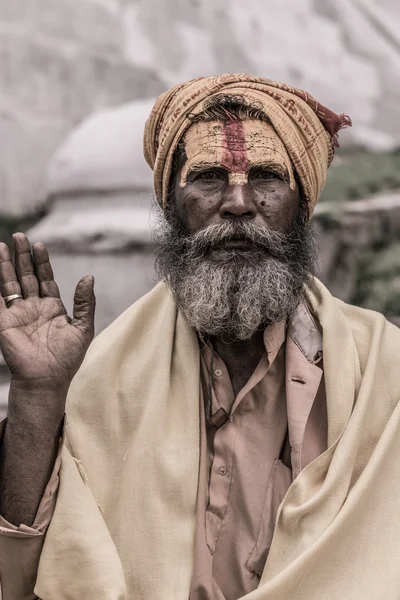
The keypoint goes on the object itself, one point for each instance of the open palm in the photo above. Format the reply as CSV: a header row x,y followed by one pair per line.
x,y
37,338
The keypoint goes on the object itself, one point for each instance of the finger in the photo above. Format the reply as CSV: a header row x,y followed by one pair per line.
x,y
2,304
84,305
44,272
8,278
24,266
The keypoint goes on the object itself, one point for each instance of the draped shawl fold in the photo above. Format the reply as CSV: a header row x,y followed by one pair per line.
x,y
307,129
123,527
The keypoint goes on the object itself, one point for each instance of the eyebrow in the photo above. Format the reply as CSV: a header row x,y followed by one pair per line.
x,y
278,168
195,167
271,165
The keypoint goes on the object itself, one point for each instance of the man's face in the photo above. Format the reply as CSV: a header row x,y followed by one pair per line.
x,y
235,170
233,244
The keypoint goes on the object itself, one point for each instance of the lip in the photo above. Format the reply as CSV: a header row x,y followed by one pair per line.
x,y
237,243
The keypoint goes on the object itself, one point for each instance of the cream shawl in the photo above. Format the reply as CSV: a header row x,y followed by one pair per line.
x,y
123,528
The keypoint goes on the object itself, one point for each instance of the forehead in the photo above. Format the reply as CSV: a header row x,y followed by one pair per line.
x,y
234,144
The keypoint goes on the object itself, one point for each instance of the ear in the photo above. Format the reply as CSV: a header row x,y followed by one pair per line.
x,y
178,160
179,157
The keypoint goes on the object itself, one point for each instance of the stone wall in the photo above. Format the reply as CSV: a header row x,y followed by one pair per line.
x,y
351,236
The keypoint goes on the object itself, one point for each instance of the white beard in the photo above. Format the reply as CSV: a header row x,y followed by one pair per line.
x,y
230,292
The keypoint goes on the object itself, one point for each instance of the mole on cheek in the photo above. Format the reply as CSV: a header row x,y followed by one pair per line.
x,y
262,202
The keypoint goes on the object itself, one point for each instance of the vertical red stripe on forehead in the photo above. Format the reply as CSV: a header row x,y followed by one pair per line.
x,y
234,154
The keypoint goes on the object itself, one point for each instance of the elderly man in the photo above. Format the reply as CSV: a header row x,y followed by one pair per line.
x,y
235,432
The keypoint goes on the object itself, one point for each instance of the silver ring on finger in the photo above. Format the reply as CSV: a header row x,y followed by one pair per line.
x,y
9,299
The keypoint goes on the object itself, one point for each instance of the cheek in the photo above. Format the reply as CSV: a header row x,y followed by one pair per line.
x,y
278,207
198,208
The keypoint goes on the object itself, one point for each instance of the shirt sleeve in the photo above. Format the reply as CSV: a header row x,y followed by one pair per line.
x,y
21,547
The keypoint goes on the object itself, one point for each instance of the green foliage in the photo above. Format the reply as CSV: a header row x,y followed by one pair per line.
x,y
385,263
379,280
354,175
382,296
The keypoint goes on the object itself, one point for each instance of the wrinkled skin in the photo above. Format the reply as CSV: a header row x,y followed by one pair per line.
x,y
38,340
208,199
43,349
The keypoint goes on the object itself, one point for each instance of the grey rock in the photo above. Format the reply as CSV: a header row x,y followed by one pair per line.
x,y
347,231
68,21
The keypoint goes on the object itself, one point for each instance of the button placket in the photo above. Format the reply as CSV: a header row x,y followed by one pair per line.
x,y
220,481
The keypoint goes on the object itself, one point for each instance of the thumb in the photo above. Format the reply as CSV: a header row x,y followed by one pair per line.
x,y
84,305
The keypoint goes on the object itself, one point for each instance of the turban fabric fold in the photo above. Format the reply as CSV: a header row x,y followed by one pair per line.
x,y
307,129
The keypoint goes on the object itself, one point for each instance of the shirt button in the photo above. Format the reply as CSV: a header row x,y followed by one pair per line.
x,y
222,470
218,372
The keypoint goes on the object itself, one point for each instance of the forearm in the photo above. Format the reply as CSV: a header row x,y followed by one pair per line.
x,y
29,449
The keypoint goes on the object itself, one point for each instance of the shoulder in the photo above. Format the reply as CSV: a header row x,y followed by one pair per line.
x,y
377,344
368,325
371,331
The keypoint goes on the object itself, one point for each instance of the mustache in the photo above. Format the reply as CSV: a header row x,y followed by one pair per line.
x,y
278,244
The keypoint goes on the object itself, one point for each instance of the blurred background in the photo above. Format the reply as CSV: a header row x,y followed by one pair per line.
x,y
79,77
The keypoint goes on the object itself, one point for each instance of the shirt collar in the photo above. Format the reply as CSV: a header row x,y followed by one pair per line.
x,y
274,337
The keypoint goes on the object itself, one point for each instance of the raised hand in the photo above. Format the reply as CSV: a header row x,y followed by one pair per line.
x,y
43,349
39,342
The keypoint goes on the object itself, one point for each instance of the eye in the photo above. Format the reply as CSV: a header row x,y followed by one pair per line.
x,y
265,175
209,175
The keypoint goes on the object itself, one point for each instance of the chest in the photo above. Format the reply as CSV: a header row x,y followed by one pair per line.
x,y
239,374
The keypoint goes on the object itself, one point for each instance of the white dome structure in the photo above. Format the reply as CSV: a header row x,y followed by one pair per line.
x,y
104,153
100,184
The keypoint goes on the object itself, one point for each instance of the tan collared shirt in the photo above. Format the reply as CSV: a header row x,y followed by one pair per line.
x,y
245,463
276,425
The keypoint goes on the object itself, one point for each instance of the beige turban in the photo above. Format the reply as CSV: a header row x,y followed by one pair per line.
x,y
307,129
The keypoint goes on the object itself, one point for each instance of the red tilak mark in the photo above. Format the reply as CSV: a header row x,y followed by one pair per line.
x,y
234,154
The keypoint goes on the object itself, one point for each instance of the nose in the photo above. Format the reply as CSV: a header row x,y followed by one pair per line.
x,y
237,203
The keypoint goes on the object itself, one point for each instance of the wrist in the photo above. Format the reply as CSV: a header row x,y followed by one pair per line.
x,y
38,428
36,424
43,385
37,404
